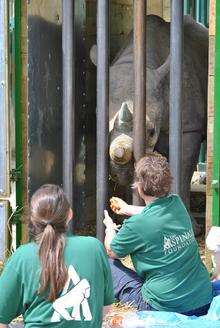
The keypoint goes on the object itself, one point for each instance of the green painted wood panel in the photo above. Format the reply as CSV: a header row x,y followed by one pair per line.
x,y
216,149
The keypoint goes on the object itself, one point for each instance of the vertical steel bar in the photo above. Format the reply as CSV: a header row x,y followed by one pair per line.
x,y
175,117
201,11
194,8
139,126
198,11
207,12
4,208
18,115
81,117
204,12
4,132
186,7
68,96
102,113
4,101
216,136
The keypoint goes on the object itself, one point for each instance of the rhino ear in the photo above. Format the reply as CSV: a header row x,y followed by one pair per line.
x,y
93,54
163,70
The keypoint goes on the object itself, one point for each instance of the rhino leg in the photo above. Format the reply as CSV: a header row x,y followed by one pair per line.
x,y
191,148
162,145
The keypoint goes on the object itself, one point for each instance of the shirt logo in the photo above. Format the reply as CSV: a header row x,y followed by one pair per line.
x,y
174,243
76,298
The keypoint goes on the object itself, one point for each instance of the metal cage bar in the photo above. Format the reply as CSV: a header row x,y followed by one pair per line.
x,y
4,206
18,116
4,101
68,96
139,126
102,113
175,117
201,11
4,132
186,7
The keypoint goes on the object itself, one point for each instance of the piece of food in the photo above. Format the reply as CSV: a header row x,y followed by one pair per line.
x,y
114,204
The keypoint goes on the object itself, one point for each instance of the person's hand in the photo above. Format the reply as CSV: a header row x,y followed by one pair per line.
x,y
107,219
110,231
109,223
119,206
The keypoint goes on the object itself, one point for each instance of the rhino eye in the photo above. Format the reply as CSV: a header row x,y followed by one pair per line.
x,y
151,132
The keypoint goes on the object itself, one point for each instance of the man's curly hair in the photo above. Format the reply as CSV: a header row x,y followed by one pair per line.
x,y
152,175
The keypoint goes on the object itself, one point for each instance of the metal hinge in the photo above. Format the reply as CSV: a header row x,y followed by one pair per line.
x,y
11,24
15,174
16,215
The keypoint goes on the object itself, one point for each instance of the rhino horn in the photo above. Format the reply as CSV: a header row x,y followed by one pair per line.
x,y
163,70
121,149
125,115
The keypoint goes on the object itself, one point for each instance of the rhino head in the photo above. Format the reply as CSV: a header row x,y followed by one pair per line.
x,y
121,125
121,114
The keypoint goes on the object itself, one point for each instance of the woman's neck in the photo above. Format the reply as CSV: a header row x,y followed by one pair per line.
x,y
149,199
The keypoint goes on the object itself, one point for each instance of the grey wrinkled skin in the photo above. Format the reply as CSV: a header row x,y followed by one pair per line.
x,y
195,68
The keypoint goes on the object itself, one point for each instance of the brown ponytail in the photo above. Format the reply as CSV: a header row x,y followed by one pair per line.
x,y
48,223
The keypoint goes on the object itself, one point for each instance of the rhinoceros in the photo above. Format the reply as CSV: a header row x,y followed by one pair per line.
x,y
195,74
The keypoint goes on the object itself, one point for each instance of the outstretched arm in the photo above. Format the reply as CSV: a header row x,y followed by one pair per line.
x,y
3,326
110,233
120,207
106,310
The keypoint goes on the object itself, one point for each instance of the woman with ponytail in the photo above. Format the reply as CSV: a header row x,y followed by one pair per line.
x,y
55,280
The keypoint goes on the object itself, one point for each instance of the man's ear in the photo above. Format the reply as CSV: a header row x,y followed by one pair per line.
x,y
93,54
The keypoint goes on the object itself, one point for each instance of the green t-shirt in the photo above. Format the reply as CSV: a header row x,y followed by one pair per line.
x,y
165,254
87,290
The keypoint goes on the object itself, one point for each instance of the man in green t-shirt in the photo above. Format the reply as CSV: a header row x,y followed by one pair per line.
x,y
170,275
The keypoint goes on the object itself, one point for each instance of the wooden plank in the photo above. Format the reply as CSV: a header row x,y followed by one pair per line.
x,y
210,97
210,128
155,7
122,2
212,18
90,12
211,55
166,3
166,10
208,261
46,9
166,14
121,19
209,190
